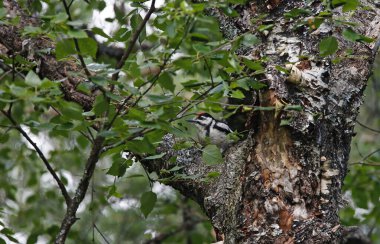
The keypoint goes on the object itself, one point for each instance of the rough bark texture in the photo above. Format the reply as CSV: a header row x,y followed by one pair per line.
x,y
68,72
283,183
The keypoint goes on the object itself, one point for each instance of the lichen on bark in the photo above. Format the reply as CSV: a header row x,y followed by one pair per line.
x,y
283,183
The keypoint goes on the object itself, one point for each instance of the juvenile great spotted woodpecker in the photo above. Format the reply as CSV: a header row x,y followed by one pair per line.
x,y
215,130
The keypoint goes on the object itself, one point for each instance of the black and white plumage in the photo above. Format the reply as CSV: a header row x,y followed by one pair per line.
x,y
215,130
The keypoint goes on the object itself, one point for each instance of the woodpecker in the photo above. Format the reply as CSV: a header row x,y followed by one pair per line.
x,y
215,130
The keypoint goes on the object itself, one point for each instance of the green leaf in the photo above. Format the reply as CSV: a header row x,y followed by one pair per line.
x,y
122,35
71,110
108,133
250,40
296,12
119,167
11,238
140,146
256,85
155,156
285,122
100,32
328,46
3,12
171,29
348,5
230,12
59,18
166,81
136,114
293,107
89,113
147,201
237,94
32,79
264,108
351,5
100,105
199,37
265,27
77,34
213,174
32,238
88,46
211,155
112,191
253,65
350,35
157,99
282,69
176,168
7,231
136,19
64,48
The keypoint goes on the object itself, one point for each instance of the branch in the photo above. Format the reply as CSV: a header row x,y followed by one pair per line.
x,y
42,156
48,67
154,79
101,234
133,40
209,71
80,193
368,128
361,162
76,44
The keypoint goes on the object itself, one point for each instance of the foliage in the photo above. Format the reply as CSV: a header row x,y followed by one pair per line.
x,y
362,184
178,66
184,68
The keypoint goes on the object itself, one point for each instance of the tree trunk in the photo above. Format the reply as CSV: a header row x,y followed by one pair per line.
x,y
283,183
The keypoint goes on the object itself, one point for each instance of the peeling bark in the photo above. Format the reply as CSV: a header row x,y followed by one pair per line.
x,y
283,183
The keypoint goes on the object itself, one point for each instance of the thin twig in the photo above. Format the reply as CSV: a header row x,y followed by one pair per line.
x,y
77,48
72,1
103,236
8,126
154,79
13,67
366,157
9,68
91,139
42,156
76,44
126,55
366,164
133,40
5,74
186,108
209,71
167,59
369,128
91,135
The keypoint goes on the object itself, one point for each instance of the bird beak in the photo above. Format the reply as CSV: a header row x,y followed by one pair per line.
x,y
191,120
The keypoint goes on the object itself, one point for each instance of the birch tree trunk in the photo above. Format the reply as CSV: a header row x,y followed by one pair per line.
x,y
283,183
